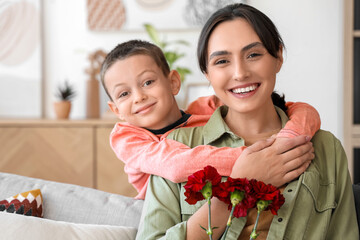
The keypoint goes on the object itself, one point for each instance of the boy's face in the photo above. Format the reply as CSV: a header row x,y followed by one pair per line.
x,y
142,95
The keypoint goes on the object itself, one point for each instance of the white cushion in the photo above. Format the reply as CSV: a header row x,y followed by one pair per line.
x,y
77,204
15,226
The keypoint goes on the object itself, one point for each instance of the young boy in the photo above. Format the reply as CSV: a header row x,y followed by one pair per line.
x,y
141,88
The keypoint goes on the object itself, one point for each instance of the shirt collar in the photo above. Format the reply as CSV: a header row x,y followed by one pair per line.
x,y
216,126
184,118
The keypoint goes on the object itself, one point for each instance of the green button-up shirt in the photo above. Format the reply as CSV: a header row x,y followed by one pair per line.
x,y
318,205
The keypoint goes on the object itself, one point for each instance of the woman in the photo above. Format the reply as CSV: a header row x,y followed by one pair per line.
x,y
240,52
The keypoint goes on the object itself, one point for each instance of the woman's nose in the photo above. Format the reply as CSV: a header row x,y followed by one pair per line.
x,y
241,71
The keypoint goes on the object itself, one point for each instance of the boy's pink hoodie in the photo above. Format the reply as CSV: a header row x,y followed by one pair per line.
x,y
145,153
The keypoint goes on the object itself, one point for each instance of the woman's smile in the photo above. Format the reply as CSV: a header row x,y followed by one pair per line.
x,y
245,90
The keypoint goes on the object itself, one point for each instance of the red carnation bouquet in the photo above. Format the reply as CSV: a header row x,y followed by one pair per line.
x,y
240,194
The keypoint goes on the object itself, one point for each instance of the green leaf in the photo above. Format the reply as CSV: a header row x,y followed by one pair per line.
x,y
65,92
203,228
181,42
153,33
172,57
183,72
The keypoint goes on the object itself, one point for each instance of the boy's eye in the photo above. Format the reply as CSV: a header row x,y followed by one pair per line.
x,y
147,83
123,94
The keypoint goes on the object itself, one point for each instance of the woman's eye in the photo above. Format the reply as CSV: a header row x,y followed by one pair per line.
x,y
147,83
222,61
254,55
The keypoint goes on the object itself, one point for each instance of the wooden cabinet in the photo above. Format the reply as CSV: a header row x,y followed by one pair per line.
x,y
68,151
110,170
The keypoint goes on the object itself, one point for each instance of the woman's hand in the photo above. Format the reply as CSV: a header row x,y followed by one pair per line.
x,y
275,161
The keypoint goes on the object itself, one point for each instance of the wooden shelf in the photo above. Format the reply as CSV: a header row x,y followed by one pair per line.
x,y
57,122
70,151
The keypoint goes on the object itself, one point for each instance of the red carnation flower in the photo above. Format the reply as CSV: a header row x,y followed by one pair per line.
x,y
201,184
236,192
269,193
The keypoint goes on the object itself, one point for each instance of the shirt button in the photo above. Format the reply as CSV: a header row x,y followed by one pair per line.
x,y
290,190
280,219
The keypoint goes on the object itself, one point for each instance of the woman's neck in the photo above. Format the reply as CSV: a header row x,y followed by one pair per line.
x,y
250,124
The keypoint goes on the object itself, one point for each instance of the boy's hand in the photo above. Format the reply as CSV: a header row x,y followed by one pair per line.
x,y
276,161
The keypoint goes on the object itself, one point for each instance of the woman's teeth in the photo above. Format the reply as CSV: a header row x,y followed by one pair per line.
x,y
244,90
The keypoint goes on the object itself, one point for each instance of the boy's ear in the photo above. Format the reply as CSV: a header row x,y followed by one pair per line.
x,y
175,82
115,110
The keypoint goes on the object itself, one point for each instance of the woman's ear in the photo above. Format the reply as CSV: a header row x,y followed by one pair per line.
x,y
175,82
280,59
207,76
115,110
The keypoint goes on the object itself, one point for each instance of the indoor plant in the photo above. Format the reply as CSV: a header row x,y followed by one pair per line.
x,y
172,56
64,93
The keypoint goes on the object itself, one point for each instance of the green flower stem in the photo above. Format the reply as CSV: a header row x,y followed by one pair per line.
x,y
253,234
228,224
209,231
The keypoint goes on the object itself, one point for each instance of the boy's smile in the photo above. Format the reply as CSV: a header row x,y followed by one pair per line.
x,y
142,95
145,109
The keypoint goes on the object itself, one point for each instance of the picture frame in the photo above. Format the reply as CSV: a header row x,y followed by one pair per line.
x,y
195,90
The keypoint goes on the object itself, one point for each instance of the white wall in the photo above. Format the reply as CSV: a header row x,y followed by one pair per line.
x,y
313,67
68,43
312,71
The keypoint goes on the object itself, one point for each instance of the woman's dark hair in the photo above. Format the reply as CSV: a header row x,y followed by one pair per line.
x,y
262,25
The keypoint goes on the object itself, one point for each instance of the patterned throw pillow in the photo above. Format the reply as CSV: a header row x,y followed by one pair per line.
x,y
26,203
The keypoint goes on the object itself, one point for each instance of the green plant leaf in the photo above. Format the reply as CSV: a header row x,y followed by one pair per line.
x,y
181,42
153,33
172,57
65,92
183,72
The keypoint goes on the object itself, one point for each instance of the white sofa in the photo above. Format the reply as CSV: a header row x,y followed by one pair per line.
x,y
70,212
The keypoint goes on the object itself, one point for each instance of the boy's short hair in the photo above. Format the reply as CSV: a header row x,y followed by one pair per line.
x,y
131,48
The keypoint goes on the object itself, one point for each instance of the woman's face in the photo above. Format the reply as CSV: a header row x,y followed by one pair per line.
x,y
240,69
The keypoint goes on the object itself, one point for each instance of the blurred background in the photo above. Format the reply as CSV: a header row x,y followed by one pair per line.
x,y
47,42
